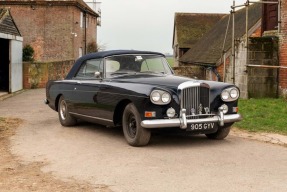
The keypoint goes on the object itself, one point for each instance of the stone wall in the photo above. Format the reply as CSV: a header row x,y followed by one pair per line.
x,y
240,68
36,75
191,71
263,82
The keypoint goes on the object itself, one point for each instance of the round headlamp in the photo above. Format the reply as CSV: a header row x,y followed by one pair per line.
x,y
165,97
155,96
225,95
230,94
160,97
234,93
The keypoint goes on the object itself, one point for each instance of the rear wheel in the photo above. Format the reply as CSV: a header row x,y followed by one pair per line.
x,y
134,133
64,116
220,134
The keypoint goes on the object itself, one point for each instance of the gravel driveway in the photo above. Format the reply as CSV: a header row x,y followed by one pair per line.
x,y
100,156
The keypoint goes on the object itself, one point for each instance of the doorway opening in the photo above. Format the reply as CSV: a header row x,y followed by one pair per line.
x,y
4,65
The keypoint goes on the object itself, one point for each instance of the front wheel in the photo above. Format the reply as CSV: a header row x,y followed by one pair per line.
x,y
134,133
64,116
220,134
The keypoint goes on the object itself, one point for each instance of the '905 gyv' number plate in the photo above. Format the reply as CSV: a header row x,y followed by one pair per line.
x,y
201,126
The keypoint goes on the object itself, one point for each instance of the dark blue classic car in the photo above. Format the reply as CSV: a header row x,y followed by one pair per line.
x,y
138,91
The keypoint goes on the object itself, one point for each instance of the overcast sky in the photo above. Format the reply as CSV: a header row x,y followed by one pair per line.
x,y
148,24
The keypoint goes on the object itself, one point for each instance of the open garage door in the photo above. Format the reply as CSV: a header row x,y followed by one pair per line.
x,y
16,72
4,65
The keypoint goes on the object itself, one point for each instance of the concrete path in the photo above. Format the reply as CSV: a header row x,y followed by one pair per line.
x,y
101,156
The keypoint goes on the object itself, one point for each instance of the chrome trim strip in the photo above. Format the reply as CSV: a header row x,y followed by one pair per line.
x,y
179,122
189,84
91,117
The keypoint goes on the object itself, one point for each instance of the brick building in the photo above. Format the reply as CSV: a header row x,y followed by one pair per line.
x,y
57,30
209,58
260,68
188,29
283,48
11,71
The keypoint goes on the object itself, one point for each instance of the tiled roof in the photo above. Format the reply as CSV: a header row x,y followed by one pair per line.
x,y
7,24
78,3
192,26
208,50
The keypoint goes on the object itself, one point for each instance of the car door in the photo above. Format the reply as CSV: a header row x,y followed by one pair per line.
x,y
88,83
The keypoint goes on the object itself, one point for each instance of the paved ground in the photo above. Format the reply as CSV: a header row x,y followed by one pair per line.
x,y
101,157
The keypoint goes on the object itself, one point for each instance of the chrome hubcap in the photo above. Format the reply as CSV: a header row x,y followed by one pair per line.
x,y
63,110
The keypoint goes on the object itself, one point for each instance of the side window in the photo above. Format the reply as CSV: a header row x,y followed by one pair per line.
x,y
91,69
111,67
81,19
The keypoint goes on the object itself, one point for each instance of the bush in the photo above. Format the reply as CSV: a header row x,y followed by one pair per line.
x,y
92,47
28,53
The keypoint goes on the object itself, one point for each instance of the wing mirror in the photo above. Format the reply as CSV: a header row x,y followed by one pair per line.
x,y
98,74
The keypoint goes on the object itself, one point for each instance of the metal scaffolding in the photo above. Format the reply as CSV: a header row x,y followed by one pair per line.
x,y
233,11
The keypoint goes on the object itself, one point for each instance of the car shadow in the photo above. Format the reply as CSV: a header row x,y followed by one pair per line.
x,y
167,139
159,138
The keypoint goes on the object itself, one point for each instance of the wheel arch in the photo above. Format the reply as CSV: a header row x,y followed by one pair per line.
x,y
119,110
57,101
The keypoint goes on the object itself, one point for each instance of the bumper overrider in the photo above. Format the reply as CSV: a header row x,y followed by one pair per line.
x,y
182,121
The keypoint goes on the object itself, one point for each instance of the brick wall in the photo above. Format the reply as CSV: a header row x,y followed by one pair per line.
x,y
283,49
36,75
48,29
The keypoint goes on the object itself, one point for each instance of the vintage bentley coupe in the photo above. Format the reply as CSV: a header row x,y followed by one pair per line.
x,y
138,91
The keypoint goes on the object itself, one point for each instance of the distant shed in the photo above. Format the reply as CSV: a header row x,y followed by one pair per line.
x,y
11,67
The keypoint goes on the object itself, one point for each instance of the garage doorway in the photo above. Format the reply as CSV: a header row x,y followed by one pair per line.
x,y
4,65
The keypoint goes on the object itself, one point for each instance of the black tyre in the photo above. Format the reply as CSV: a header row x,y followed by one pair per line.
x,y
64,116
220,134
134,133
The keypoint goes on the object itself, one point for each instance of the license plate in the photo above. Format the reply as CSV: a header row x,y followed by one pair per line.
x,y
201,126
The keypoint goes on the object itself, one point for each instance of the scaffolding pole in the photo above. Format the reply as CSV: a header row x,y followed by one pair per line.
x,y
233,7
233,43
267,66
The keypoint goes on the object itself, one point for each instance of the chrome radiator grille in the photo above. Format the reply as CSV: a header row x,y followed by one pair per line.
x,y
196,102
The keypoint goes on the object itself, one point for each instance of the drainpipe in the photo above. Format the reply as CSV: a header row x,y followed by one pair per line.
x,y
224,65
246,30
279,16
85,32
214,70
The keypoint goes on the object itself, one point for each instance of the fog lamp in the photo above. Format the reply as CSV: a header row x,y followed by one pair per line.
x,y
170,112
225,108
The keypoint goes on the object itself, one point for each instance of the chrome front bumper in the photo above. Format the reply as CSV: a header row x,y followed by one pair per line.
x,y
182,122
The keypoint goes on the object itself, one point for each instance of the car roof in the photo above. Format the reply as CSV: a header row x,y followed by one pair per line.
x,y
103,54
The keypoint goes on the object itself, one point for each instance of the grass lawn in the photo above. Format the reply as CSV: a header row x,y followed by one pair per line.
x,y
170,60
263,115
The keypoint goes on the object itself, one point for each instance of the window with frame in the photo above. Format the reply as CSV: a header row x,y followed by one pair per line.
x,y
154,64
91,69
